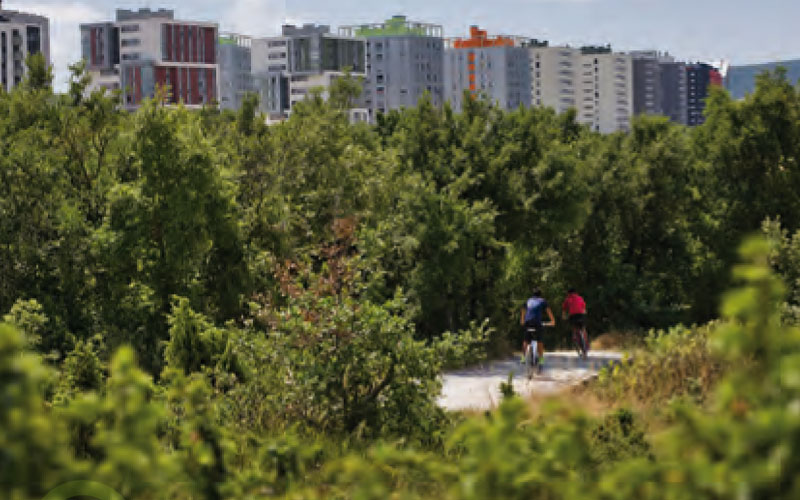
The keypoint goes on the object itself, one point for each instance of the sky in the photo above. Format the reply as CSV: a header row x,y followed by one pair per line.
x,y
737,31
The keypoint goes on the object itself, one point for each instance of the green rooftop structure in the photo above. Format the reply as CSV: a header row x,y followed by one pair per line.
x,y
396,26
404,62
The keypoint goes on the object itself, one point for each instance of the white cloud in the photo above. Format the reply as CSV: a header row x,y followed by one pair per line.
x,y
254,17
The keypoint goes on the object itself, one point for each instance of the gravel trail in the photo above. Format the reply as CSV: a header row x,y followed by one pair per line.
x,y
478,388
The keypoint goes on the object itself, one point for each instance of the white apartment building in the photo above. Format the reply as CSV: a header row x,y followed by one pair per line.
x,y
21,34
608,79
596,82
555,76
142,51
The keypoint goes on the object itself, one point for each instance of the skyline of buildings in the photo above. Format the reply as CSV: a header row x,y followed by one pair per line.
x,y
397,60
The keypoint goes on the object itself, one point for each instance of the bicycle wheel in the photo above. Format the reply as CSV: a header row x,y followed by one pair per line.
x,y
530,361
585,344
577,344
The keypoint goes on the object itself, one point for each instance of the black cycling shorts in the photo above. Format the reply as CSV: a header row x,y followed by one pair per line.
x,y
532,332
577,320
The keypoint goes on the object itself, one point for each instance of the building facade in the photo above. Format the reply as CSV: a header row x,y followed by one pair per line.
x,y
741,80
700,78
555,76
405,60
21,35
286,69
145,50
659,86
606,94
593,80
675,89
495,68
235,70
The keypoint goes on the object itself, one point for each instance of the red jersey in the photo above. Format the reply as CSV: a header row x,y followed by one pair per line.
x,y
574,304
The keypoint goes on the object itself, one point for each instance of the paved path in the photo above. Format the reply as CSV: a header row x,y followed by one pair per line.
x,y
478,388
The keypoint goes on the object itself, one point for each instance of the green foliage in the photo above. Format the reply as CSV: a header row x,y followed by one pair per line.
x,y
618,437
194,342
677,362
337,364
297,289
464,348
743,443
82,371
29,318
35,455
40,75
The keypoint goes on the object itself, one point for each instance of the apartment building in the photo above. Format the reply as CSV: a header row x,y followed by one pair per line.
x,y
700,77
235,70
287,68
142,51
405,60
593,80
659,86
21,34
495,68
555,75
605,98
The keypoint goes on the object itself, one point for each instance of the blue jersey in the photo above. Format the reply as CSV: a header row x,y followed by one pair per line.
x,y
534,309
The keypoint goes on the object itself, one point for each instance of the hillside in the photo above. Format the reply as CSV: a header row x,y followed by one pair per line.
x,y
199,306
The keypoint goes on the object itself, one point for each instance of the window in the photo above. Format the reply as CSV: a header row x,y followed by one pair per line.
x,y
134,56
277,43
131,42
129,28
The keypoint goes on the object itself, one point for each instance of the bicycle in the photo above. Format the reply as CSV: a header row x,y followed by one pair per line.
x,y
533,363
580,342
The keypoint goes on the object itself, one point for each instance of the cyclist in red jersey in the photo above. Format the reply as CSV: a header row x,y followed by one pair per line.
x,y
574,308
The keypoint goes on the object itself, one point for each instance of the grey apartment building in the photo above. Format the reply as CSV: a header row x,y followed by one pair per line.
x,y
497,69
235,70
405,60
21,34
287,68
659,86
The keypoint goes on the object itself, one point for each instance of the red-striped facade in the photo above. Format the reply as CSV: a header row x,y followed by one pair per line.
x,y
189,47
189,43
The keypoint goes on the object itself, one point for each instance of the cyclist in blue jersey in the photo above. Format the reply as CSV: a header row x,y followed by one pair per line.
x,y
531,320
